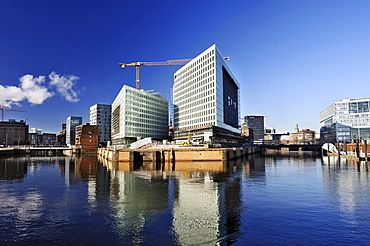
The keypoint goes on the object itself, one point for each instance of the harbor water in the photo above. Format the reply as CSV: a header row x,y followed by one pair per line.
x,y
282,198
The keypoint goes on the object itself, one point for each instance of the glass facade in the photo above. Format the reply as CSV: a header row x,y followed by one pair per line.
x,y
138,114
346,120
205,93
72,122
257,124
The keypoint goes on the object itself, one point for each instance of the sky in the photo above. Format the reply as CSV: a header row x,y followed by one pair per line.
x,y
292,59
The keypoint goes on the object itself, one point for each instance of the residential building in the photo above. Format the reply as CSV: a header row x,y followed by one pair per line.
x,y
206,99
42,139
87,137
72,122
100,115
33,138
247,133
13,132
61,137
138,114
304,136
277,138
36,130
257,123
346,120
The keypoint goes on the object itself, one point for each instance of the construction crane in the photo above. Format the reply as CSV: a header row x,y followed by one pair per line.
x,y
168,62
138,64
7,109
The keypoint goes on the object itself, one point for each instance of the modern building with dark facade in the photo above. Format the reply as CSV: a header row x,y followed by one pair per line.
x,y
257,124
61,137
346,120
206,99
13,132
72,122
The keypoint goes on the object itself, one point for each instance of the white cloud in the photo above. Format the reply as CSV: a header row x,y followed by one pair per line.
x,y
10,95
33,90
64,85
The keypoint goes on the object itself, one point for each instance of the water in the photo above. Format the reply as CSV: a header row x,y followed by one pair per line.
x,y
279,199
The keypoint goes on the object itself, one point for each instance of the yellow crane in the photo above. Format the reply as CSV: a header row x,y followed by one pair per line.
x,y
138,64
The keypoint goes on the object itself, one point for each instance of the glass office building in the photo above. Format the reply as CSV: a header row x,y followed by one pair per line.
x,y
138,114
72,122
257,124
346,120
206,94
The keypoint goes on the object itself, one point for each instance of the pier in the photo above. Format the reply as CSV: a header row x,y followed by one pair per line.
x,y
358,150
171,155
39,150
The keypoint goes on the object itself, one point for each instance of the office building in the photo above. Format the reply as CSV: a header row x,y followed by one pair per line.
x,y
42,139
87,137
247,133
36,130
61,136
100,115
346,120
304,136
138,114
13,132
206,99
257,124
72,122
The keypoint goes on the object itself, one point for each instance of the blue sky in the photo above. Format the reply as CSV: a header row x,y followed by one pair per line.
x,y
292,58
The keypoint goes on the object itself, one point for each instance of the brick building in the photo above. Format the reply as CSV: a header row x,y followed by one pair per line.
x,y
304,136
13,132
87,137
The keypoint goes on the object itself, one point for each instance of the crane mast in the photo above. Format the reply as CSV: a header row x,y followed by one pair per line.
x,y
138,64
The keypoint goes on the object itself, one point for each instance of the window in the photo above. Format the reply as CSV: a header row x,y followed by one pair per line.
x,y
353,107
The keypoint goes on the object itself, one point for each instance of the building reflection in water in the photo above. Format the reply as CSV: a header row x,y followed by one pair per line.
x,y
347,182
202,200
12,169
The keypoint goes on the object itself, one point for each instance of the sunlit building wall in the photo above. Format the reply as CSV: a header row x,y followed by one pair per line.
x,y
100,115
346,120
138,114
206,93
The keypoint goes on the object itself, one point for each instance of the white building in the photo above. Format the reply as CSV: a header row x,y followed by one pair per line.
x,y
100,115
346,120
36,130
206,98
138,114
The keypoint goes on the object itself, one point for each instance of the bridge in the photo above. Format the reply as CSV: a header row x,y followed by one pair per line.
x,y
293,147
45,150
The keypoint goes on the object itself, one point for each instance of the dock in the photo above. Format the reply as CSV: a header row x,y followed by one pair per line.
x,y
173,154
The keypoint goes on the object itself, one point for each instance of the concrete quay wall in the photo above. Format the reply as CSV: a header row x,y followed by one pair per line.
x,y
7,152
174,154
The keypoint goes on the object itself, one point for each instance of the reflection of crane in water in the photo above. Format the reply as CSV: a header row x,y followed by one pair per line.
x,y
8,109
138,64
